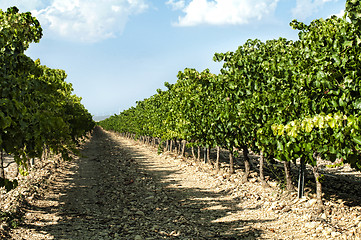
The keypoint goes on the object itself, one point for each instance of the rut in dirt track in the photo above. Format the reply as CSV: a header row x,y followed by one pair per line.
x,y
118,191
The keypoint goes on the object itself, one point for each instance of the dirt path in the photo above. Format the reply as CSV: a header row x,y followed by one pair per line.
x,y
124,190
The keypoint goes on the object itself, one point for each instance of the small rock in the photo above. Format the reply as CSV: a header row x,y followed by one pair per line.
x,y
286,209
311,202
335,234
306,217
273,206
319,229
252,180
327,231
311,225
273,184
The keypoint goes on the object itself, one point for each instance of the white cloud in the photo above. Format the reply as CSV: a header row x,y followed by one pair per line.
x,y
219,12
116,8
176,5
305,8
81,20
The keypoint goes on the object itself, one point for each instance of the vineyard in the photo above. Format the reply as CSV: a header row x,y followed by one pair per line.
x,y
284,100
213,156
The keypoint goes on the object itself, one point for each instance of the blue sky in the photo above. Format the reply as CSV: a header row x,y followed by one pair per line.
x,y
117,52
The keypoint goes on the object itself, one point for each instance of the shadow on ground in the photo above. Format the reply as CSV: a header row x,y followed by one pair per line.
x,y
338,183
113,193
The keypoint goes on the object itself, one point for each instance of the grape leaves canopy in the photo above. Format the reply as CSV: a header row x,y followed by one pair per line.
x,y
37,107
283,99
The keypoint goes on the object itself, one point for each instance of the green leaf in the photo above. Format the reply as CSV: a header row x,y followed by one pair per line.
x,y
357,103
232,85
357,139
347,44
308,147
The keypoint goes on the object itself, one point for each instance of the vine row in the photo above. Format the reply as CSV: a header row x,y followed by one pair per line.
x,y
282,99
38,112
